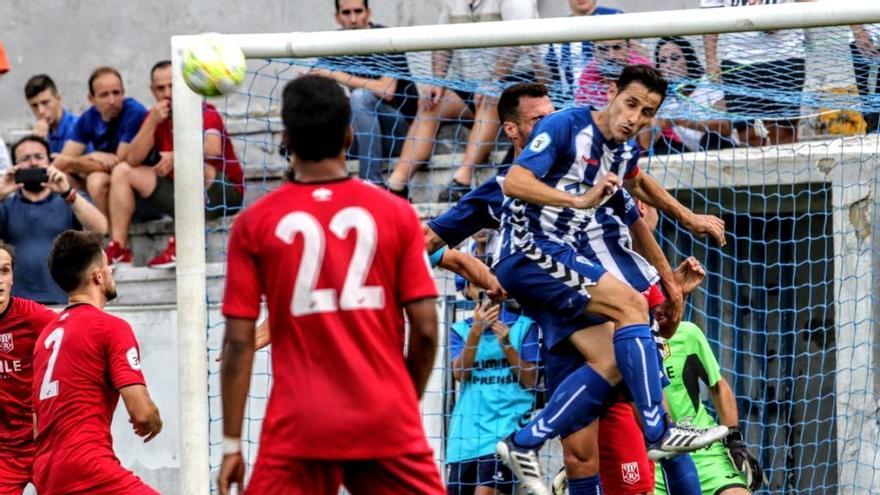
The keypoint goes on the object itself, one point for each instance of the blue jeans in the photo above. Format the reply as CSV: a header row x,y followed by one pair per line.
x,y
379,132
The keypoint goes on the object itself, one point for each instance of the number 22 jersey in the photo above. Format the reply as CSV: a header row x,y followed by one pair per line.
x,y
336,262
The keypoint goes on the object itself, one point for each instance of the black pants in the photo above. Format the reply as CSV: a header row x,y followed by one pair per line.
x,y
862,67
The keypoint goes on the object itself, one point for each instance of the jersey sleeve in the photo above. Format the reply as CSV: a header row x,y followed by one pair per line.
x,y
414,277
80,130
123,355
705,354
212,121
40,316
241,297
530,350
131,122
632,165
456,342
518,9
546,144
630,213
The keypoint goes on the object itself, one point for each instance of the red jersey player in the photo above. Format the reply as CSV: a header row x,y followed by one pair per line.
x,y
83,361
21,322
338,261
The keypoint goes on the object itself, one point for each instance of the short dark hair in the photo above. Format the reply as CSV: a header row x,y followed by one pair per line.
x,y
316,115
10,250
366,4
33,138
648,76
100,71
159,65
508,103
694,67
37,84
72,254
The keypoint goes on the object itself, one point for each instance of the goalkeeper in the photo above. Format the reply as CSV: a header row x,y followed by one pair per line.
x,y
728,469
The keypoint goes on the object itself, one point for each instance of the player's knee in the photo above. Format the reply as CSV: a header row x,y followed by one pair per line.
x,y
120,173
97,181
738,490
580,462
606,366
634,307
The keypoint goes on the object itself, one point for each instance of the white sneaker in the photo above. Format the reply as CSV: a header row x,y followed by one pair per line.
x,y
560,482
681,438
524,464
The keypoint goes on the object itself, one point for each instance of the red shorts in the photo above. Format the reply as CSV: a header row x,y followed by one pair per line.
x,y
624,466
15,474
119,481
414,474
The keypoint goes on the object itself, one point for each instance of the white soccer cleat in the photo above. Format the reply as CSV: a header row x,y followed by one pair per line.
x,y
681,438
560,482
524,464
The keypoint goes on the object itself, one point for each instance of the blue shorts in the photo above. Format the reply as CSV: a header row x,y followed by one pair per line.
x,y
551,286
477,210
463,477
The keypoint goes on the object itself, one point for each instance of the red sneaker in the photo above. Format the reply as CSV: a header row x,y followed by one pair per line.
x,y
116,254
167,258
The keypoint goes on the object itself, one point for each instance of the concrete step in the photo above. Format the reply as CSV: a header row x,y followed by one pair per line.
x,y
142,286
149,238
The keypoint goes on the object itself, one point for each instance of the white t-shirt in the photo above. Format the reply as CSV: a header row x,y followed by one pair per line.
x,y
699,105
5,161
755,47
477,64
873,31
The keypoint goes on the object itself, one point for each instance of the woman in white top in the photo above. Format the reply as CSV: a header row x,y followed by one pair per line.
x,y
865,48
693,113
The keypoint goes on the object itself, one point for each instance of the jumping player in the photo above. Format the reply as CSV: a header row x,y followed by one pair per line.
x,y
339,262
21,322
83,362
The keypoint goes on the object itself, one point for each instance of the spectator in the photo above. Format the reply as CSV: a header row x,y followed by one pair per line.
x,y
382,106
108,126
566,61
865,48
54,122
148,172
33,212
494,357
5,162
608,62
754,62
508,65
691,97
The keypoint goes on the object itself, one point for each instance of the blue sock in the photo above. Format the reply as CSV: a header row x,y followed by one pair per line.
x,y
577,401
636,355
681,476
585,486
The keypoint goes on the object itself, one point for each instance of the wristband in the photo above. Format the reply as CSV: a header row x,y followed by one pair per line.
x,y
231,445
70,197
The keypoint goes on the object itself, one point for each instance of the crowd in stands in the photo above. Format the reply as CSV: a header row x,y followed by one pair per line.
x,y
117,156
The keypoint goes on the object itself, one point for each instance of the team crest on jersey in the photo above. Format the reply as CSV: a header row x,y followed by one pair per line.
x,y
6,344
322,194
540,142
630,472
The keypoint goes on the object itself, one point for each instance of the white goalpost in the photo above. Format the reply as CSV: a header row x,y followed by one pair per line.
x,y
848,166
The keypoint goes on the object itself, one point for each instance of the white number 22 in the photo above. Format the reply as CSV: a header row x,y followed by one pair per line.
x,y
355,295
49,388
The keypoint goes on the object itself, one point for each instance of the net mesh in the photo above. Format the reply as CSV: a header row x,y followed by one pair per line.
x,y
776,145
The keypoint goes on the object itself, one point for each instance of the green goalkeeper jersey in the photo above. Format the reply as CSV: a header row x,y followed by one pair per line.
x,y
689,362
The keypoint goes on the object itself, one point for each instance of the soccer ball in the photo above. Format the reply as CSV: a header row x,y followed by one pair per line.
x,y
212,65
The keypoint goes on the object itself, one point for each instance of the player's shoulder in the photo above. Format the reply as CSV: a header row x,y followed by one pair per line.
x,y
688,331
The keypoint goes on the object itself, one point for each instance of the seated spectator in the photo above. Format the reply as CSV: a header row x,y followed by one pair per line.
x,y
865,48
33,212
752,63
5,162
54,122
566,61
148,171
691,97
489,66
610,57
494,357
108,127
382,107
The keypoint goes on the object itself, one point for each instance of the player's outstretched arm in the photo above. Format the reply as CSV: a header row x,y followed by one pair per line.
x,y
422,315
142,411
728,415
235,375
645,188
522,184
474,271
646,245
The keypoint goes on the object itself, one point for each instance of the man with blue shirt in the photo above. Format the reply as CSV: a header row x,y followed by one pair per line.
x,y
575,161
54,122
108,126
33,213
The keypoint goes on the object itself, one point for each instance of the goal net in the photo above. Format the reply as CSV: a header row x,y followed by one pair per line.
x,y
779,138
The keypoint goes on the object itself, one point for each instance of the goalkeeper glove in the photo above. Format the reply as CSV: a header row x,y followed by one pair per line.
x,y
743,460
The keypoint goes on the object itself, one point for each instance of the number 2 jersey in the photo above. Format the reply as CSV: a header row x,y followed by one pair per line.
x,y
336,262
81,360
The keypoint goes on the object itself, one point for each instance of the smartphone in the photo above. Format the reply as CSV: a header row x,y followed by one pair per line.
x,y
38,175
481,296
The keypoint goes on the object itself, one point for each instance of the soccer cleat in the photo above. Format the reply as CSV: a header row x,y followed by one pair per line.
x,y
681,438
167,258
524,464
560,482
117,255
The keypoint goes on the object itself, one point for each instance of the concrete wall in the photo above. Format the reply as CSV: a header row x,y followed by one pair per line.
x,y
67,39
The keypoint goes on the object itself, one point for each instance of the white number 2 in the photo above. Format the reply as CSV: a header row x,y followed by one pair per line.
x,y
49,388
355,295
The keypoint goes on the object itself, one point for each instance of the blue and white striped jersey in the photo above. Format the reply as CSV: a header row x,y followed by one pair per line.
x,y
567,152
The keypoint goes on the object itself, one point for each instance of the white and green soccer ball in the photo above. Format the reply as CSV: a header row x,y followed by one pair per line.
x,y
213,65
